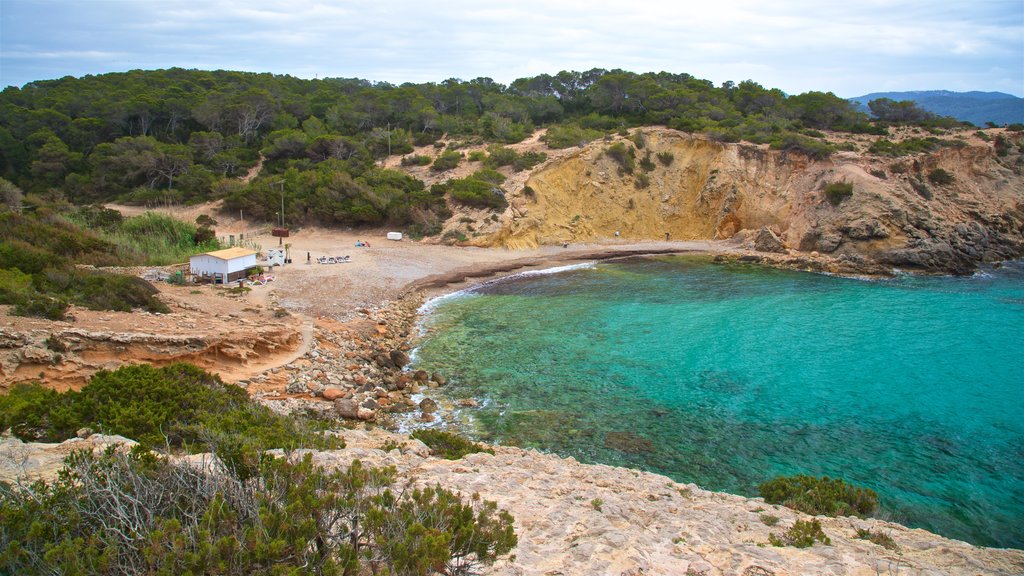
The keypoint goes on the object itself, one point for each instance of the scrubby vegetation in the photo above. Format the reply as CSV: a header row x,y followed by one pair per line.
x,y
482,189
820,496
623,155
880,538
39,252
802,534
177,406
448,445
138,513
244,512
940,177
836,192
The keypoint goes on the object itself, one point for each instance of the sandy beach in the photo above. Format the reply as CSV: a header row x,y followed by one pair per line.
x,y
388,269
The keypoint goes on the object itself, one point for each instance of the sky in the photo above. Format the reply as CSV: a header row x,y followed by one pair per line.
x,y
850,48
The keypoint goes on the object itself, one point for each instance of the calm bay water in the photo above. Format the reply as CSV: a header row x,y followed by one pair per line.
x,y
729,375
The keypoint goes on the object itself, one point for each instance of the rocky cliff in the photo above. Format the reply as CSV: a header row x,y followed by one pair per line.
x,y
690,187
574,518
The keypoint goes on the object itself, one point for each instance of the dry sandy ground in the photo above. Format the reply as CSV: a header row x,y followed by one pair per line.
x,y
387,269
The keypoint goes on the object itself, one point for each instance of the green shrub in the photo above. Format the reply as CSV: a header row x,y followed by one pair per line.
x,y
820,496
623,155
447,445
642,181
490,176
446,160
811,147
42,306
500,156
836,192
137,513
566,135
416,160
666,158
477,156
886,147
940,177
880,538
803,534
769,520
638,139
646,164
179,405
528,160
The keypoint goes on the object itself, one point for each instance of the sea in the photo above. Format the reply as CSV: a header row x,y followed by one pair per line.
x,y
728,374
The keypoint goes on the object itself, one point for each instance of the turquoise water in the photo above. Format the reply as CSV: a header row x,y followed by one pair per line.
x,y
727,375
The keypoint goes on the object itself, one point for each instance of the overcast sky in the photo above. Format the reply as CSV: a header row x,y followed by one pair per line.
x,y
851,47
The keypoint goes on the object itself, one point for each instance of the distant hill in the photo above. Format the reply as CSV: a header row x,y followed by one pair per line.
x,y
974,107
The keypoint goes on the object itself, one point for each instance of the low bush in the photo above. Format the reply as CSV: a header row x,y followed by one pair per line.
x,y
811,147
623,155
836,192
448,445
566,135
416,160
940,177
880,538
446,160
137,513
646,164
820,496
666,158
803,534
886,147
178,406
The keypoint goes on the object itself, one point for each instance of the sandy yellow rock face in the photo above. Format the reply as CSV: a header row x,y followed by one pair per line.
x,y
711,190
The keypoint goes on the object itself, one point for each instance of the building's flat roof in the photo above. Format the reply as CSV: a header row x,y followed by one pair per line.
x,y
229,253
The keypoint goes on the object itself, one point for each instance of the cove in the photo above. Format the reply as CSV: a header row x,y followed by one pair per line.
x,y
727,375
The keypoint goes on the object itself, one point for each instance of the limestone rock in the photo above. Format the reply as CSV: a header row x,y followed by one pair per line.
x,y
346,408
333,394
767,241
428,405
399,358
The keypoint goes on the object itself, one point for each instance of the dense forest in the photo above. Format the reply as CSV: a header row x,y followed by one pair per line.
x,y
183,136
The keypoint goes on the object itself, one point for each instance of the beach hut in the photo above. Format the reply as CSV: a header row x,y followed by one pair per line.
x,y
223,266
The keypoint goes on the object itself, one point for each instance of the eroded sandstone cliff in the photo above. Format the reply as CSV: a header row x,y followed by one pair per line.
x,y
695,188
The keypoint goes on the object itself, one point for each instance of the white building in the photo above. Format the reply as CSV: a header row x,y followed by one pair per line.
x,y
223,266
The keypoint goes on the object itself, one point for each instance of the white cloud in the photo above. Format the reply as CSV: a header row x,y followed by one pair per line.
x,y
849,48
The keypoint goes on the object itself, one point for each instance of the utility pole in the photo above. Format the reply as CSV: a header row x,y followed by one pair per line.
x,y
282,201
389,138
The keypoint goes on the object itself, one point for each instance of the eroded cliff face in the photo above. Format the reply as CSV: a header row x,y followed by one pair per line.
x,y
701,189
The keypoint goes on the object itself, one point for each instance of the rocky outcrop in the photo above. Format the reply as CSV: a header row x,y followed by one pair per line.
x,y
356,365
574,518
691,188
65,356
